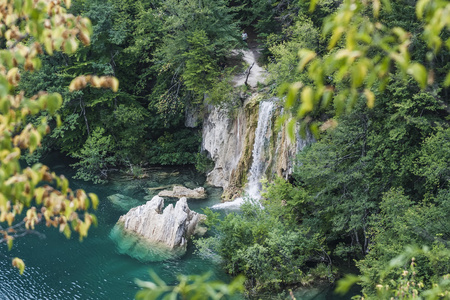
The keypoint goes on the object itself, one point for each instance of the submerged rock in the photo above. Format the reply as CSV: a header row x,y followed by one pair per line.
x,y
123,202
183,192
151,233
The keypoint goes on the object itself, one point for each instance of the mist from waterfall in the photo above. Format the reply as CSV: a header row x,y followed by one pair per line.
x,y
253,190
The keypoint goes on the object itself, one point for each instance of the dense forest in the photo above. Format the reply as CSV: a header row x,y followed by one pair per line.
x,y
371,195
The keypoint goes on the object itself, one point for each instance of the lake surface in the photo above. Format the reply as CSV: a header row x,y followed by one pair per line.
x,y
60,268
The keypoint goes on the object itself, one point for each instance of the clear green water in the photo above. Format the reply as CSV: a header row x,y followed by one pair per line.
x,y
58,268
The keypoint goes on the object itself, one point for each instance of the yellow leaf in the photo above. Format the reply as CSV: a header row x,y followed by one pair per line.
x,y
370,98
359,74
376,8
420,6
305,57
54,102
401,33
35,140
93,219
58,121
114,84
19,264
3,202
337,33
9,218
307,105
419,73
94,200
387,5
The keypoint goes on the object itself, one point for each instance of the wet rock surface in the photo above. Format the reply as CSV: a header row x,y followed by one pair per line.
x,y
167,229
181,191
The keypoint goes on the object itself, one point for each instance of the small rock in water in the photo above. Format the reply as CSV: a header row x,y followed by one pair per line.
x,y
181,192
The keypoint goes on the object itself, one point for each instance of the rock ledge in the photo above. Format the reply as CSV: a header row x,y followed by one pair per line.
x,y
183,192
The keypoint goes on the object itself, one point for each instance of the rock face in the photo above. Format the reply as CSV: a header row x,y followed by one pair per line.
x,y
183,192
231,141
224,139
167,229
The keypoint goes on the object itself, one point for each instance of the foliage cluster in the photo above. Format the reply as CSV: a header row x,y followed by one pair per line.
x,y
377,179
167,56
263,245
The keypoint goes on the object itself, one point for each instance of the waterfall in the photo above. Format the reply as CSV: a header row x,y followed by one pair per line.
x,y
266,109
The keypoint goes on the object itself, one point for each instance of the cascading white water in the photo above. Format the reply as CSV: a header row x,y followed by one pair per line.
x,y
258,167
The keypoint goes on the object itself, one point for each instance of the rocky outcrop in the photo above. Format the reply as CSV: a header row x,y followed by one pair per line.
x,y
168,229
183,192
230,142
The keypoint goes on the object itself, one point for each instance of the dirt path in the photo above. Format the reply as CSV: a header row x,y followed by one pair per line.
x,y
254,73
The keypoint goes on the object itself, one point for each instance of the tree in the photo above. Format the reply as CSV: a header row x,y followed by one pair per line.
x,y
28,28
366,46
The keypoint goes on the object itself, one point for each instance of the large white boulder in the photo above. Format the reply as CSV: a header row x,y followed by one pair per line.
x,y
166,229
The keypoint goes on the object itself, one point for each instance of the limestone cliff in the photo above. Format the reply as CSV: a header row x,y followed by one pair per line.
x,y
226,138
233,141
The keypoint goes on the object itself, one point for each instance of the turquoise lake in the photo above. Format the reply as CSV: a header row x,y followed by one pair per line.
x,y
60,268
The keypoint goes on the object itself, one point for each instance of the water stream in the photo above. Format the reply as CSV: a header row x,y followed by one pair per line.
x,y
259,164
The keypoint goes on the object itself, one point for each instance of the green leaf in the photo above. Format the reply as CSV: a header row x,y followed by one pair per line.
x,y
312,5
10,243
67,232
290,128
292,94
387,5
314,128
344,285
420,6
327,96
54,102
64,185
447,80
35,139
